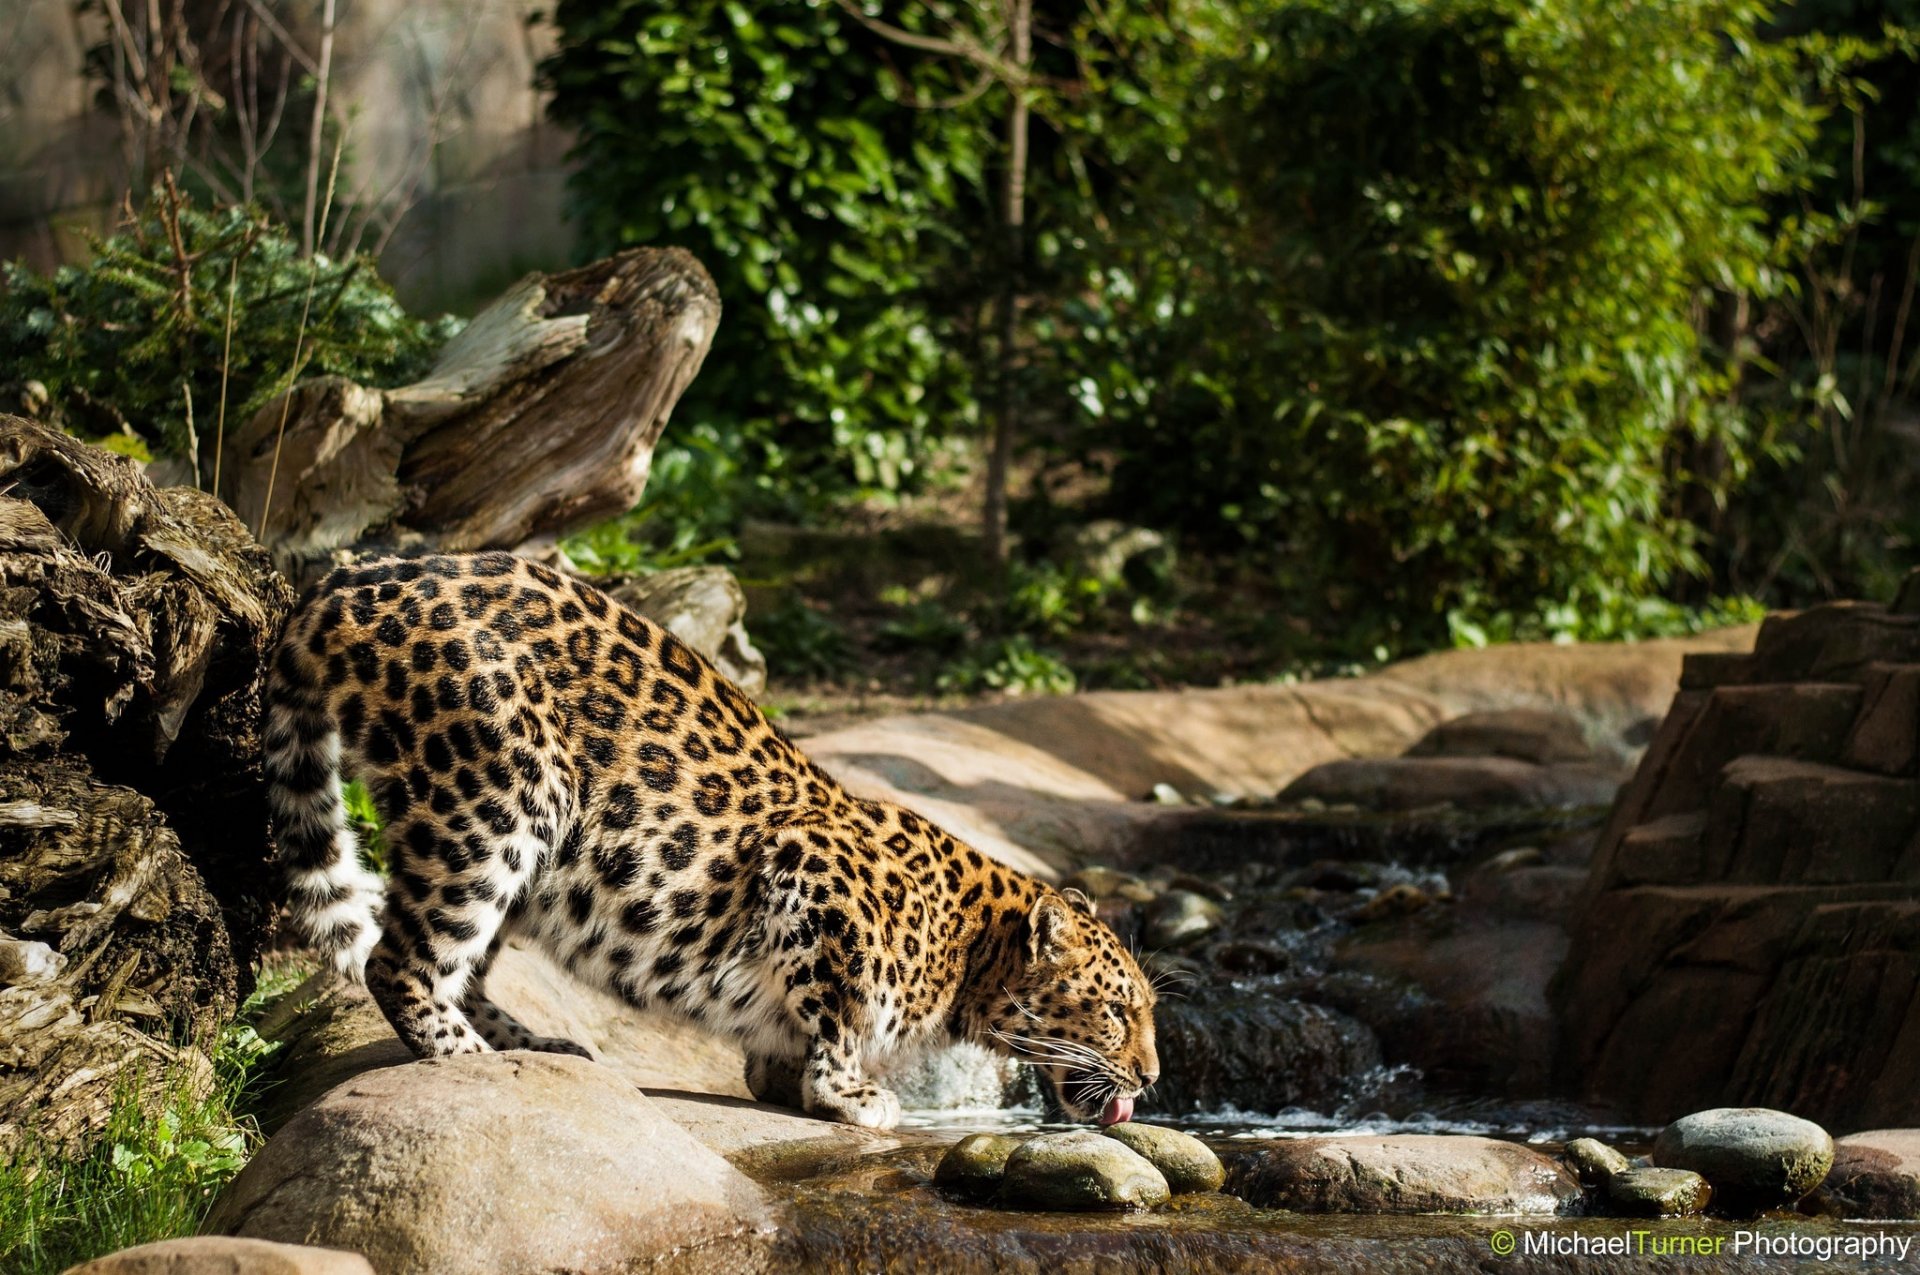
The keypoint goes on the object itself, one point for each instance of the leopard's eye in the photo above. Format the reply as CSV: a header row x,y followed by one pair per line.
x,y
1118,1009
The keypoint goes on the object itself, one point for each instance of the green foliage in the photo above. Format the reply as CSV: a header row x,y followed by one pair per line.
x,y
1012,665
770,138
800,641
692,509
152,1174
366,820
133,341
1414,315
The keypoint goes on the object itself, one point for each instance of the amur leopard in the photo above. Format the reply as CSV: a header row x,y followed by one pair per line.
x,y
553,767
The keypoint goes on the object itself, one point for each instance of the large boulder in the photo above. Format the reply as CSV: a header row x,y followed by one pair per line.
x,y
1405,1173
225,1255
1762,863
1079,1170
330,1031
1875,1175
1472,783
1754,1159
496,1164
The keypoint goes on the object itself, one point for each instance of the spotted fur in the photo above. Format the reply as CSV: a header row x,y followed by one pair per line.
x,y
555,768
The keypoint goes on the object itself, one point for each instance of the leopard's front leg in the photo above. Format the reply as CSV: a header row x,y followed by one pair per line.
x,y
834,1084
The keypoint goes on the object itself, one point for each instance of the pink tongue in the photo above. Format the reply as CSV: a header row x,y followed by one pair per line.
x,y
1119,1111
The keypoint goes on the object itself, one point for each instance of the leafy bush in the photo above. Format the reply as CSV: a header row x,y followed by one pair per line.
x,y
1011,664
771,139
799,641
1411,311
135,342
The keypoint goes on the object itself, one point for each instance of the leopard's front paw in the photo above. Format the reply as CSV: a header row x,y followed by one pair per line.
x,y
868,1106
774,1080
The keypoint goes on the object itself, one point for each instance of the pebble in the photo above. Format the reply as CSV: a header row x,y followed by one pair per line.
x,y
1594,1161
1657,1193
1754,1158
1078,1171
974,1166
1180,916
1187,1163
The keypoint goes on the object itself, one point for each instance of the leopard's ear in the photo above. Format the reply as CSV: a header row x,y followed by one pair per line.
x,y
1048,925
1078,900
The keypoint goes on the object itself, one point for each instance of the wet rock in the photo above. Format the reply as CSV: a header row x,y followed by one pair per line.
x,y
1593,1161
1400,899
1260,1051
1179,917
974,1166
1187,1163
1657,1193
1754,1158
1523,734
1410,1173
1252,957
1080,1170
1874,1175
497,1164
1200,885
1509,860
706,608
1166,795
1099,883
224,1255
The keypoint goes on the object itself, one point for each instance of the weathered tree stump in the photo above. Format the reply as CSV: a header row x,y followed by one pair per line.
x,y
134,886
540,417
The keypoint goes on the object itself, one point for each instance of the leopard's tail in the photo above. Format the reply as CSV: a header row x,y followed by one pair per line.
x,y
333,902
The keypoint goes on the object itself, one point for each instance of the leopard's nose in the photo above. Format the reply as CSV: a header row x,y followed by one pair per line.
x,y
1147,1075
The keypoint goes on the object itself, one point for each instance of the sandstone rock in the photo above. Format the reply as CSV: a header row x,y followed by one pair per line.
x,y
1411,783
1404,1174
1098,883
748,1133
974,1166
1524,734
1187,1163
1657,1193
224,1255
1179,917
330,1031
1875,1175
705,608
1753,1158
497,1164
1593,1161
1080,1170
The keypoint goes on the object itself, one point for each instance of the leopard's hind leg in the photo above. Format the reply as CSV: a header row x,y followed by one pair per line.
x,y
501,1029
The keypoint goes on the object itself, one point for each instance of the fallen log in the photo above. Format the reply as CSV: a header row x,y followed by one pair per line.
x,y
540,417
134,884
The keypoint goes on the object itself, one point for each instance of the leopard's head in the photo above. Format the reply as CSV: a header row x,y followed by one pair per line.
x,y
1076,1006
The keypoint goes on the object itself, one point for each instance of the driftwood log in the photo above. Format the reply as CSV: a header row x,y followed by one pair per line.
x,y
540,417
134,890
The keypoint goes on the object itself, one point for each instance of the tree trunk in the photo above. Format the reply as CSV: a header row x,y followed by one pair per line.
x,y
134,884
1013,215
540,417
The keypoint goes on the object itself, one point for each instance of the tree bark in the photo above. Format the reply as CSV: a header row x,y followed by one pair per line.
x,y
134,884
1013,215
540,417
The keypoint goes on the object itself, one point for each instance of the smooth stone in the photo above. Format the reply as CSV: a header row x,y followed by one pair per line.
x,y
224,1255
1187,1163
1875,1175
1405,1173
975,1165
1753,1157
1593,1161
1180,916
1166,794
1098,882
1537,735
1081,1170
510,1163
1657,1193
